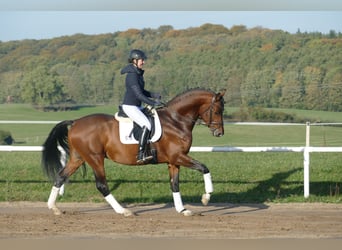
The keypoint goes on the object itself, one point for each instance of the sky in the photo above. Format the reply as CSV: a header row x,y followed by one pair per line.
x,y
44,21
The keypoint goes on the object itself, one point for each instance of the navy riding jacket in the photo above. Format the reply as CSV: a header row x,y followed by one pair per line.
x,y
135,87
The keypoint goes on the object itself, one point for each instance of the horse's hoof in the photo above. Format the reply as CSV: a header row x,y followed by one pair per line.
x,y
127,213
56,211
187,212
205,199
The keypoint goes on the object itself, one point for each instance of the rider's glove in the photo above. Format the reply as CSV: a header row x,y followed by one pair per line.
x,y
156,96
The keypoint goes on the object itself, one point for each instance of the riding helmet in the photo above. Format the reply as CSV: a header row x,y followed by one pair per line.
x,y
136,54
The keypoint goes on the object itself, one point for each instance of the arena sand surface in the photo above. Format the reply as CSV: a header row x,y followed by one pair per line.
x,y
32,220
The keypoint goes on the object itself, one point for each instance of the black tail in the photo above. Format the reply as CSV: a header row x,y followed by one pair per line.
x,y
51,156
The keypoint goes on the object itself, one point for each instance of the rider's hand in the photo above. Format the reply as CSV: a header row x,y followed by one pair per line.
x,y
156,96
158,103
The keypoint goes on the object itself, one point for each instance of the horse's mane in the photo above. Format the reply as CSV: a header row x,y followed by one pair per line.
x,y
180,96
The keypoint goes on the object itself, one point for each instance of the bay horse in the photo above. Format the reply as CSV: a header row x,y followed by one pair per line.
x,y
92,138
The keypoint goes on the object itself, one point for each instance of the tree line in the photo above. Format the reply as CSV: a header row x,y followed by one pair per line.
x,y
259,67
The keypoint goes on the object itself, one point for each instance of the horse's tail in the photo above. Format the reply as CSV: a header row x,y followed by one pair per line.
x,y
51,155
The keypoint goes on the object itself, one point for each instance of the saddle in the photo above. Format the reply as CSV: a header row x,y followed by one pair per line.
x,y
130,132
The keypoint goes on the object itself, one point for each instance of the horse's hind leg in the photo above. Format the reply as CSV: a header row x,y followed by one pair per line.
x,y
97,163
61,177
52,200
102,186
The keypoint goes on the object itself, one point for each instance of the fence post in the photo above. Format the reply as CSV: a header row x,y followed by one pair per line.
x,y
307,162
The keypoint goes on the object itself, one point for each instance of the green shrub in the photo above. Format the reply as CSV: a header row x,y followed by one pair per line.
x,y
258,114
6,138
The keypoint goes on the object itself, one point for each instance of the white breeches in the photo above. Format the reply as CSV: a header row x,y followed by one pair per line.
x,y
137,115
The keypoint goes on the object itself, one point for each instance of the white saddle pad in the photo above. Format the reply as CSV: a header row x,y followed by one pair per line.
x,y
126,126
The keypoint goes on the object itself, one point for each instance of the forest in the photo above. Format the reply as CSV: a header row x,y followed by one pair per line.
x,y
259,67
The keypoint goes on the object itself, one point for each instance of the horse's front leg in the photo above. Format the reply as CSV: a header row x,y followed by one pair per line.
x,y
208,186
187,161
174,183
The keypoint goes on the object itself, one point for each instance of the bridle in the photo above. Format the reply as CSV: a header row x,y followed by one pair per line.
x,y
210,110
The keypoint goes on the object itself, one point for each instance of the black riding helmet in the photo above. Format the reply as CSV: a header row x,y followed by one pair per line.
x,y
136,54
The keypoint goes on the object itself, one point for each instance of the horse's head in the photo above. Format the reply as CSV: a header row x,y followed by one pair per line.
x,y
211,113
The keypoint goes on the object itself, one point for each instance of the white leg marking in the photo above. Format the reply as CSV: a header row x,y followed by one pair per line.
x,y
208,185
52,200
177,199
61,190
116,206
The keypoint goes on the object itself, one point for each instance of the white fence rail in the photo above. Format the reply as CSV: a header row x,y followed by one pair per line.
x,y
306,150
306,155
21,148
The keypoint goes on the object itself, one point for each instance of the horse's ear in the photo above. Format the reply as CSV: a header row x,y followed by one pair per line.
x,y
221,93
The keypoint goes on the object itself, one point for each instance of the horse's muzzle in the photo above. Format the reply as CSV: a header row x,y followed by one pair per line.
x,y
218,132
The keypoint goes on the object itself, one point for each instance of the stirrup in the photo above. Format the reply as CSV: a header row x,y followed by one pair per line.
x,y
144,158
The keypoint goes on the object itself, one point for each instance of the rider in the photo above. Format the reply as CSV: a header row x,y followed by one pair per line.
x,y
135,95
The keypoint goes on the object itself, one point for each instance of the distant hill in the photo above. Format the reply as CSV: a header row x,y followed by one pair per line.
x,y
258,67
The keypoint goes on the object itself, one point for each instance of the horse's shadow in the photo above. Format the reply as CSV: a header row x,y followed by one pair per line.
x,y
198,209
268,190
229,203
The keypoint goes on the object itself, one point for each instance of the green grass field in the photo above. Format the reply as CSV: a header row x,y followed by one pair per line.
x,y
237,177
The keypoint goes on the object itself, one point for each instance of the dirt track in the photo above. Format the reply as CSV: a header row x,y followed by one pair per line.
x,y
26,220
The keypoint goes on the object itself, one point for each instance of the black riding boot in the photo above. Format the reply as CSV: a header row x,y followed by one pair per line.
x,y
143,155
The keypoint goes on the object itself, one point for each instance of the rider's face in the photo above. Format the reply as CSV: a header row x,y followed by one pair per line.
x,y
139,63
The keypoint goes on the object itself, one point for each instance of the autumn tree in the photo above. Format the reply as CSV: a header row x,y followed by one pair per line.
x,y
42,87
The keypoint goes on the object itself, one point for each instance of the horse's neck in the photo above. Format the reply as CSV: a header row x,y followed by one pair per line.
x,y
187,107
